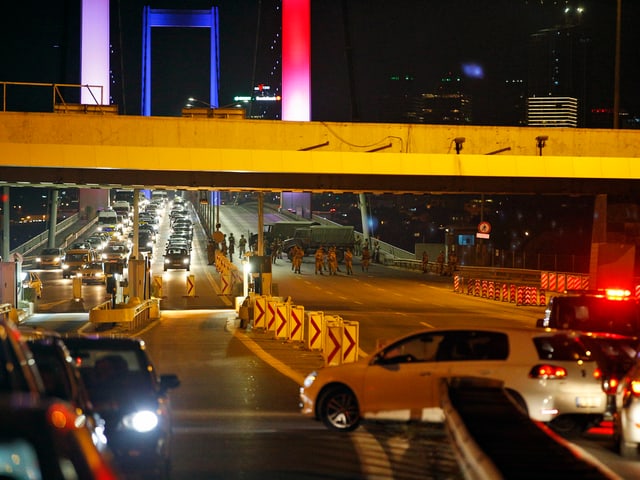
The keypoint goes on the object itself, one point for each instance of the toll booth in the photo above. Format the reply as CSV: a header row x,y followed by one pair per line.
x,y
261,274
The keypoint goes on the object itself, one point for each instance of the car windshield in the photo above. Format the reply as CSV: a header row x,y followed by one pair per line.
x,y
50,251
104,370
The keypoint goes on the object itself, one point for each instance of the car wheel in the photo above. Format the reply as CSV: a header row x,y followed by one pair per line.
x,y
339,409
625,449
568,426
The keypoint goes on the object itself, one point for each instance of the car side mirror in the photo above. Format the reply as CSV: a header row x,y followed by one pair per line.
x,y
168,382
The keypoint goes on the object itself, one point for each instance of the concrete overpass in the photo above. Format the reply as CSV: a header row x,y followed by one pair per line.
x,y
201,153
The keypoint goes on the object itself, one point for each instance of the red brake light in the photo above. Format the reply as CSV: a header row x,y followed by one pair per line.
x,y
597,374
547,372
617,293
635,387
612,386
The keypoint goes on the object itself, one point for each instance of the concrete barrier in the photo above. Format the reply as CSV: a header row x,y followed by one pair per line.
x,y
131,316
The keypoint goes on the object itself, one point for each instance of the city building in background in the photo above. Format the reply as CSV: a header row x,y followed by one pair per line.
x,y
448,104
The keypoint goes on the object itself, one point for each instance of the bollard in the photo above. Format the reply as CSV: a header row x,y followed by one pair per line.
x,y
283,312
191,286
260,313
225,280
296,323
77,288
350,341
334,332
315,326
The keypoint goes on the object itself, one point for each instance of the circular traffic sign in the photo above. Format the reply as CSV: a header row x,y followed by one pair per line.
x,y
484,227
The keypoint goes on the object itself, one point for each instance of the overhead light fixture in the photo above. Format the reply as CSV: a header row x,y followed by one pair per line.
x,y
541,142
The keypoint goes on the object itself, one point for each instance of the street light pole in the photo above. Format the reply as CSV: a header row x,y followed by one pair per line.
x,y
616,86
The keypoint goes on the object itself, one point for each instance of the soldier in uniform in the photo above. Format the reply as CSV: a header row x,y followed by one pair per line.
x,y
319,260
366,258
348,261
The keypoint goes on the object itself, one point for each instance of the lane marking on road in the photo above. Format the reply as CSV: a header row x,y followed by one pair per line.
x,y
264,356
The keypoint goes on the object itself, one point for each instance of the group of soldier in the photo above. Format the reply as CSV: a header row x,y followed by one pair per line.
x,y
326,258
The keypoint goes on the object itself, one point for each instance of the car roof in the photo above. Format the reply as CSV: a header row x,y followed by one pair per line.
x,y
102,341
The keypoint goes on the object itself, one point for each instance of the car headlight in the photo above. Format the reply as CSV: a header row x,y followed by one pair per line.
x,y
142,421
309,379
38,259
185,261
166,260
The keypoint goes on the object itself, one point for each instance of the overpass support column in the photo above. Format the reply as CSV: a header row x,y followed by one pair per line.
x,y
53,219
6,235
365,218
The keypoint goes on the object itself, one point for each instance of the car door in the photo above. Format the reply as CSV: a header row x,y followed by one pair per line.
x,y
402,381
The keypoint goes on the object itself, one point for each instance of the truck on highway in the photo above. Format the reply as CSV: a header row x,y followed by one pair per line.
x,y
314,236
280,231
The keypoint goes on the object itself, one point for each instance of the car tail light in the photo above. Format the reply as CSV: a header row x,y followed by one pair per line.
x,y
634,387
610,385
547,372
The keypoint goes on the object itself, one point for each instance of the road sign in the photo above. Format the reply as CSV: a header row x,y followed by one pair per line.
x,y
191,286
484,227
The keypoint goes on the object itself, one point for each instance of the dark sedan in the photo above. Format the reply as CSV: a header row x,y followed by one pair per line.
x,y
177,258
131,397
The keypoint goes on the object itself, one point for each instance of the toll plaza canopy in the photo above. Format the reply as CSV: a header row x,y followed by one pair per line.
x,y
199,152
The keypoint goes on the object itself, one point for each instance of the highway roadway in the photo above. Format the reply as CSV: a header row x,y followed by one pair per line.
x,y
236,411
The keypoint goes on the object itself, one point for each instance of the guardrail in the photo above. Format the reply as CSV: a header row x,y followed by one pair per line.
x,y
58,102
27,248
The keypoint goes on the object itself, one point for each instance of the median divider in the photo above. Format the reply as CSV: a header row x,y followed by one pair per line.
x,y
336,338
523,294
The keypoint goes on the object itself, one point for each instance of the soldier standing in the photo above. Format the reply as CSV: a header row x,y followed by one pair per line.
x,y
425,262
348,261
319,260
366,258
298,254
242,246
332,259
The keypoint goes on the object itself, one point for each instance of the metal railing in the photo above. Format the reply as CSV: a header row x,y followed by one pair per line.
x,y
57,99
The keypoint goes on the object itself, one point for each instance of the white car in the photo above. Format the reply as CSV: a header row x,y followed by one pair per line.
x,y
626,424
550,374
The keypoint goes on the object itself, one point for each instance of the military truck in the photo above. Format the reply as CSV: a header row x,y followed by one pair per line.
x,y
312,237
280,230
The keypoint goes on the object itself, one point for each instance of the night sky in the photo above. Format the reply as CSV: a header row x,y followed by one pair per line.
x,y
422,38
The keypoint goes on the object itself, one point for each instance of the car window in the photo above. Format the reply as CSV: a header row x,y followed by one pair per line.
x,y
561,348
468,345
19,457
449,346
